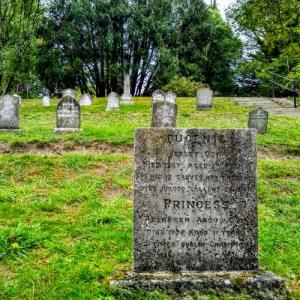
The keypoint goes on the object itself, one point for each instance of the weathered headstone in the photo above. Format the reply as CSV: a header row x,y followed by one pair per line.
x,y
126,97
195,205
158,96
195,214
204,99
85,100
170,97
18,97
258,119
67,115
69,92
9,113
46,101
112,101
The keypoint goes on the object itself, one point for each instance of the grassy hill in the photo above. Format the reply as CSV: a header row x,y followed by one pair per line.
x,y
66,200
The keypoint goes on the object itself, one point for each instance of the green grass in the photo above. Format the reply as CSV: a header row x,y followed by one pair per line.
x,y
66,220
37,124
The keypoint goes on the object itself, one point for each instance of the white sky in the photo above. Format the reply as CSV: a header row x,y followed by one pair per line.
x,y
222,5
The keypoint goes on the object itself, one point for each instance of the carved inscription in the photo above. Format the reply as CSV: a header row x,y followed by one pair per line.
x,y
195,200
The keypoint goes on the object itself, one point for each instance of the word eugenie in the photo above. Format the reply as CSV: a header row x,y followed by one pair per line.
x,y
196,138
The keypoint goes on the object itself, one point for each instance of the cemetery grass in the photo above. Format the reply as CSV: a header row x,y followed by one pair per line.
x,y
66,219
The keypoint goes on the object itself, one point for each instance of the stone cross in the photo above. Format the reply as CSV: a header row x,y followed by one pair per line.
x,y
9,113
204,99
126,97
164,109
195,202
112,101
69,92
67,115
258,119
85,100
46,101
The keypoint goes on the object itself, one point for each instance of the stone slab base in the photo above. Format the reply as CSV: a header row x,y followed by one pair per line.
x,y
258,285
10,130
65,130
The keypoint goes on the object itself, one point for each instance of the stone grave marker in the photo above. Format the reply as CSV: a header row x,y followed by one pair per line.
x,y
170,97
204,99
85,100
67,115
112,101
69,92
258,119
158,96
46,101
18,97
126,97
9,113
195,213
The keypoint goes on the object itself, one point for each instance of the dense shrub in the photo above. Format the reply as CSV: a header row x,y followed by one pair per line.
x,y
183,86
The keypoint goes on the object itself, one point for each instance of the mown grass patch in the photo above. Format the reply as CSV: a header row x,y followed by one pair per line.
x,y
66,224
117,127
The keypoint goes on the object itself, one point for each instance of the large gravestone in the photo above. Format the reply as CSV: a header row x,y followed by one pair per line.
x,y
85,100
195,214
126,97
204,99
69,92
195,205
9,113
112,101
67,115
258,119
46,101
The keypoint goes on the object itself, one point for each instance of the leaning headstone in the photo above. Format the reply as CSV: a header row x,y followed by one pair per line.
x,y
112,101
195,213
204,99
126,97
69,92
85,100
258,119
18,97
9,113
46,101
67,115
164,111
158,96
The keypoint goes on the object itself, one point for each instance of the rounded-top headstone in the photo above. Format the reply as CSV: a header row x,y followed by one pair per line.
x,y
170,97
158,96
67,115
204,99
112,101
9,112
86,100
69,92
18,97
46,101
258,119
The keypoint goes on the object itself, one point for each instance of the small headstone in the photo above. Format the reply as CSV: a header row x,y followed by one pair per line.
x,y
85,100
112,101
170,97
18,97
126,97
158,96
67,115
69,92
164,109
46,101
195,204
9,113
258,119
204,99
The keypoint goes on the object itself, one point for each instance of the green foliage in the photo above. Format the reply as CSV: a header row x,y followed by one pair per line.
x,y
183,87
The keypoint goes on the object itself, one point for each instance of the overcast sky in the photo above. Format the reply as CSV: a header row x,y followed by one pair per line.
x,y
222,5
